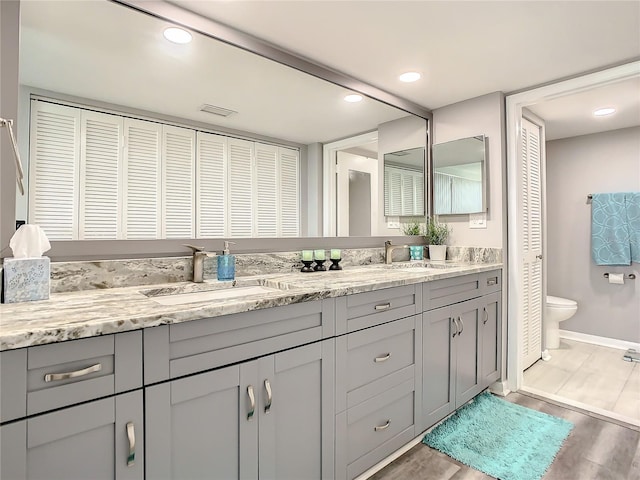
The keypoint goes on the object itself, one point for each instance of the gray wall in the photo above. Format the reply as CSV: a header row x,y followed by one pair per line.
x,y
576,167
478,116
9,38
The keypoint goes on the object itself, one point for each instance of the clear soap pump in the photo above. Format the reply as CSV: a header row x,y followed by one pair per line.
x,y
226,264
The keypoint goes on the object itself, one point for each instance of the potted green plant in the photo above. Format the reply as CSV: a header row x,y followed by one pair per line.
x,y
436,235
414,228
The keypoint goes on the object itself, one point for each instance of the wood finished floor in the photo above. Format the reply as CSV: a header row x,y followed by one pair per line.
x,y
596,449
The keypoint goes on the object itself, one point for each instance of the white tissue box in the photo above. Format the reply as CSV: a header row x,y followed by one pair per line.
x,y
26,279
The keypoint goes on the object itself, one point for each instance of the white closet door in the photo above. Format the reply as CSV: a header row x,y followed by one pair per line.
x,y
178,155
392,191
289,192
211,185
240,187
265,203
100,176
141,183
408,193
531,234
54,156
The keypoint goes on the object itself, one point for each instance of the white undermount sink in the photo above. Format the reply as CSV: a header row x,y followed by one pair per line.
x,y
213,294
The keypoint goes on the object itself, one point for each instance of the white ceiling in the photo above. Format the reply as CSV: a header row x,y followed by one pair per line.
x,y
463,50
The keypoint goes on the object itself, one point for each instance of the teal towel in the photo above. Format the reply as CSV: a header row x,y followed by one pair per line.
x,y
609,229
632,206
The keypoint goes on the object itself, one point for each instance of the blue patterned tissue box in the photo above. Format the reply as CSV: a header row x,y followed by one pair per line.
x,y
26,279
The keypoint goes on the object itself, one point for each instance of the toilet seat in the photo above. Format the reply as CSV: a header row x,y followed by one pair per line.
x,y
558,302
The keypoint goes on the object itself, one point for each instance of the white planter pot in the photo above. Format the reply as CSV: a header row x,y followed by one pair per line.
x,y
438,253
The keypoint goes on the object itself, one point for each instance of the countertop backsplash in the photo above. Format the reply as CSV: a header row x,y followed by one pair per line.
x,y
102,274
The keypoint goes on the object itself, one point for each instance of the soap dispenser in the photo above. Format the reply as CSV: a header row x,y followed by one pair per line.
x,y
226,264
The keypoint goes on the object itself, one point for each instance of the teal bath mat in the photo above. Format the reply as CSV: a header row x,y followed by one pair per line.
x,y
501,439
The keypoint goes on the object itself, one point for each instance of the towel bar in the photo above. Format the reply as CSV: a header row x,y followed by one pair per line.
x,y
630,276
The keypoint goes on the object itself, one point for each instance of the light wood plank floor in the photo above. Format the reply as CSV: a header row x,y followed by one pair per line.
x,y
596,449
589,374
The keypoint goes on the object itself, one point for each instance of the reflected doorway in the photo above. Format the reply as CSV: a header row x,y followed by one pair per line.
x,y
357,180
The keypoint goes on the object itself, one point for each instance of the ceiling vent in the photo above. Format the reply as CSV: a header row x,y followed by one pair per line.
x,y
220,111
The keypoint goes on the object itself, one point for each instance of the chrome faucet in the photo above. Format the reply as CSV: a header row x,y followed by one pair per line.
x,y
388,251
199,255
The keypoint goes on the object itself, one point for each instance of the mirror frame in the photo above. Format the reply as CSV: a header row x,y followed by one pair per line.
x,y
104,249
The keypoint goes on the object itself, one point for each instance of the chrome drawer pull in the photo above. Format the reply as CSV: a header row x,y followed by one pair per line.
x,y
492,281
131,434
50,377
267,387
252,399
382,427
383,358
383,306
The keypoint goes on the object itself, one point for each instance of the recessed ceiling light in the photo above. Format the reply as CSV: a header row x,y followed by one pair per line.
x,y
409,77
352,98
177,35
603,112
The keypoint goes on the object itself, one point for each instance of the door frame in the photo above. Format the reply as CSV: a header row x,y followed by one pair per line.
x,y
514,104
329,193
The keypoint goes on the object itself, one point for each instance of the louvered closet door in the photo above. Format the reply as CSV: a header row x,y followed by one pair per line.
x,y
393,191
265,204
211,180
240,185
531,234
54,154
289,192
100,176
408,193
142,185
178,156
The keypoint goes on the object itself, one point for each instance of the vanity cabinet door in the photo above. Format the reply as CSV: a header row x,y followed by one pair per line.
x,y
491,333
295,414
438,365
467,350
204,426
99,440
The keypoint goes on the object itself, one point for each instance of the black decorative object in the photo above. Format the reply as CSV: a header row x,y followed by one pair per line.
x,y
307,266
334,264
320,266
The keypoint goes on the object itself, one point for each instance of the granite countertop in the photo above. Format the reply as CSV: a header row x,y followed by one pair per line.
x,y
88,313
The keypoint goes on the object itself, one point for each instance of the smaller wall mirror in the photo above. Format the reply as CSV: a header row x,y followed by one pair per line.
x,y
404,183
459,178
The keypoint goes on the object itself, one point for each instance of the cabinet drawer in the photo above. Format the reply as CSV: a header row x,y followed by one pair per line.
x,y
374,360
173,351
451,290
362,310
52,376
491,282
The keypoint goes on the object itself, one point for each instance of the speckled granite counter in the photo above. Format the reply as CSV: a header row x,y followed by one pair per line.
x,y
72,315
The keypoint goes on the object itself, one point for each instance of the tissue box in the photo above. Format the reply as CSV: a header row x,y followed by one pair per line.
x,y
26,279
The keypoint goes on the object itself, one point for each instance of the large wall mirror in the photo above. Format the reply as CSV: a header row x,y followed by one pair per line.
x,y
459,176
108,57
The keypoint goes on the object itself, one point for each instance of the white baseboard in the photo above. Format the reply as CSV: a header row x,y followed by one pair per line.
x,y
596,340
499,388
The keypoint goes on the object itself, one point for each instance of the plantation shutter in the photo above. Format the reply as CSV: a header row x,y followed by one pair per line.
x,y
211,181
289,192
266,195
178,156
393,191
532,243
53,169
418,188
100,176
141,183
241,181
408,193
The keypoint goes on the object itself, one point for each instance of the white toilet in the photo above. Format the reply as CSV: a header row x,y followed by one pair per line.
x,y
557,310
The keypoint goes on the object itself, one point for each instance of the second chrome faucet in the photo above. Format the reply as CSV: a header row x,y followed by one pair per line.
x,y
199,254
388,251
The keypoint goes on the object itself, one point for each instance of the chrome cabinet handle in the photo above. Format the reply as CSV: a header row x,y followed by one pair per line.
x,y
267,387
383,306
382,427
455,322
131,434
461,323
50,377
539,257
384,358
491,281
252,400
486,316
